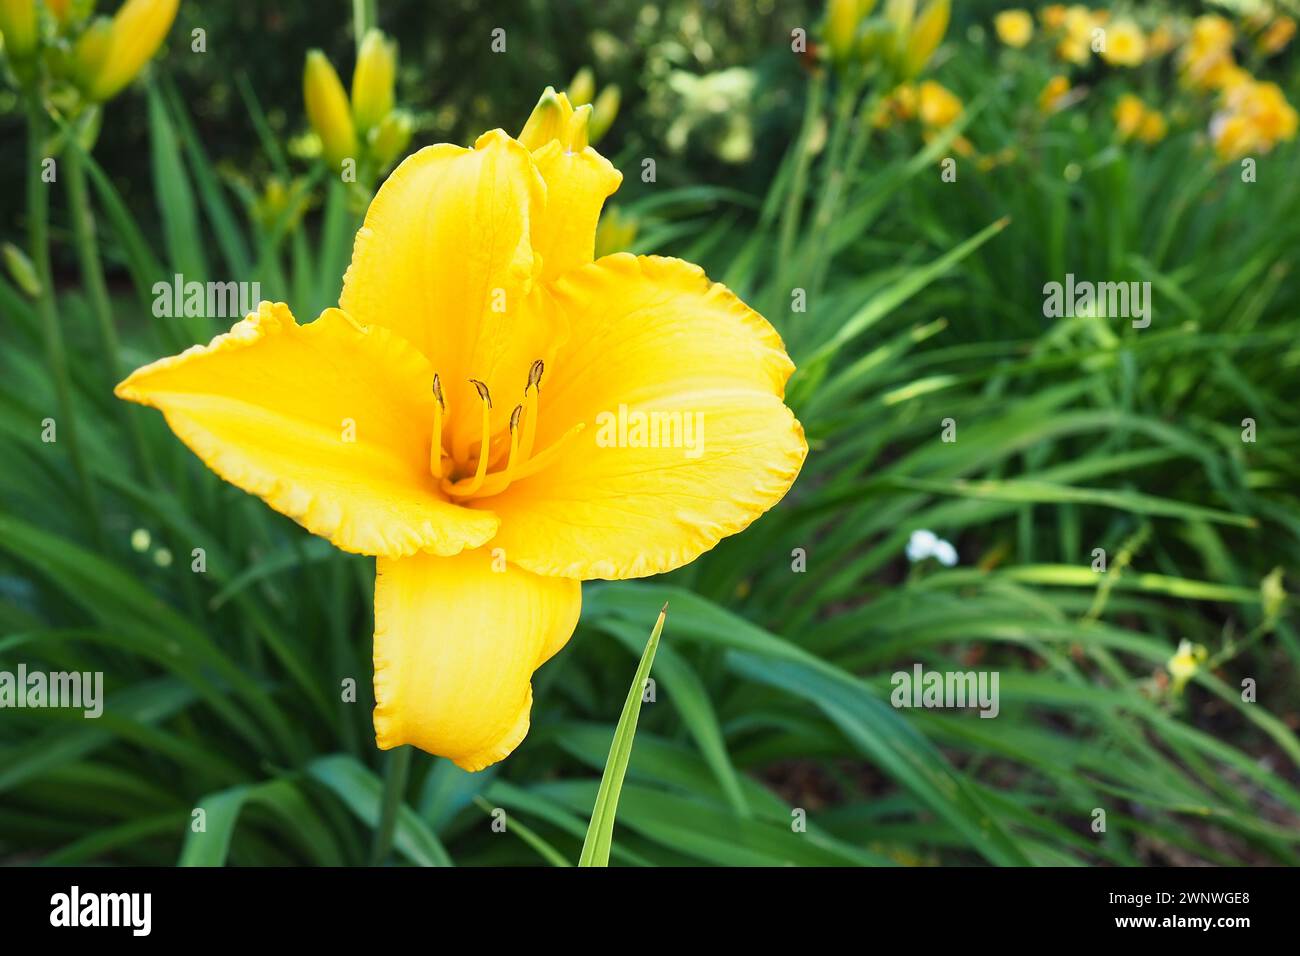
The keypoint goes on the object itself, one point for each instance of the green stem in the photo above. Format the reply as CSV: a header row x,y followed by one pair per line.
x,y
399,765
38,212
92,275
364,15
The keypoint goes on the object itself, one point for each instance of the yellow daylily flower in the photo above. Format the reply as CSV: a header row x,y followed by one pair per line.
x,y
134,35
1015,28
474,414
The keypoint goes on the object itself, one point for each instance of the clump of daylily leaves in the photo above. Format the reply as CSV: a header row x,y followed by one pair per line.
x,y
1201,56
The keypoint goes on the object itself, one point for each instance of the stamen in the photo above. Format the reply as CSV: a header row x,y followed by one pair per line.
x,y
532,400
435,447
485,447
497,483
514,444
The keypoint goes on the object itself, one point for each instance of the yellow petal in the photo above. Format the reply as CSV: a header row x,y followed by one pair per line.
x,y
456,643
652,335
444,259
330,424
577,184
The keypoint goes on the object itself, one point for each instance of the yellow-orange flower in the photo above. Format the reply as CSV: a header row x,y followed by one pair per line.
x,y
477,414
1050,98
1278,34
1014,27
1052,16
1126,45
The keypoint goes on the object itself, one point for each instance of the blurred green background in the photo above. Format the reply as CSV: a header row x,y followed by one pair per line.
x,y
922,302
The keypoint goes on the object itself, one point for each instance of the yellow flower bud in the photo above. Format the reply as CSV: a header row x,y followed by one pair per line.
x,y
549,120
615,232
137,32
603,112
390,138
926,36
372,80
62,10
840,31
328,110
89,51
18,26
21,269
582,88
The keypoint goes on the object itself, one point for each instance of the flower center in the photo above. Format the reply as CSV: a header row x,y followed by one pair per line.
x,y
471,474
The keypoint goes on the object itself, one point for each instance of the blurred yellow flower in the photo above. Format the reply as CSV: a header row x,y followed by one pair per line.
x,y
1161,40
373,80
936,105
135,33
1015,28
1154,127
452,417
1129,113
1126,45
1255,118
1050,98
328,110
1185,663
1277,36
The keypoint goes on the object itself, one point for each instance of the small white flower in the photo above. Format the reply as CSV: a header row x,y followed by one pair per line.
x,y
921,545
945,553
